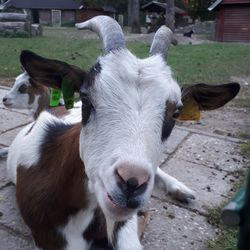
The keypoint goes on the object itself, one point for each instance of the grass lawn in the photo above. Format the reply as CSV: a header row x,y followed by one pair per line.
x,y
210,63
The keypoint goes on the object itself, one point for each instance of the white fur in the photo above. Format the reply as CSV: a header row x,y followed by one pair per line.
x,y
25,149
74,228
14,98
127,236
129,98
174,186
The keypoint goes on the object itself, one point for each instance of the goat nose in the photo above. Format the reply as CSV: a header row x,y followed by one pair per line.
x,y
4,99
132,177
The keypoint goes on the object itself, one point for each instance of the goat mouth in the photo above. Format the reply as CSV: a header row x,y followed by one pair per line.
x,y
7,104
115,208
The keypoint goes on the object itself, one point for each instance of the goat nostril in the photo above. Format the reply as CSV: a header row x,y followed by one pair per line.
x,y
132,184
4,99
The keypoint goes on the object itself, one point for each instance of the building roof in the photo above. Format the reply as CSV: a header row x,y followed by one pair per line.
x,y
155,6
218,2
42,4
49,4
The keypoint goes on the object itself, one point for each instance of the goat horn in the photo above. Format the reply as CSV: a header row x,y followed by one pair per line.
x,y
108,30
161,42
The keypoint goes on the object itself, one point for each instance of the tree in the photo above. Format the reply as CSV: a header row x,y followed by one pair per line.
x,y
197,9
134,15
170,14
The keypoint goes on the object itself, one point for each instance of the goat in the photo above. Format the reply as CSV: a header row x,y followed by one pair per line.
x,y
34,95
188,33
79,182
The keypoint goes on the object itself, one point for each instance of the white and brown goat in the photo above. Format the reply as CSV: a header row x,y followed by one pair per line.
x,y
80,182
33,94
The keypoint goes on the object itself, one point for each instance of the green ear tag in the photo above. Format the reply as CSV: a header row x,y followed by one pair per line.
x,y
55,95
68,93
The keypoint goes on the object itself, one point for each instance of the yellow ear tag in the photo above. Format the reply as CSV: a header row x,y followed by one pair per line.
x,y
190,111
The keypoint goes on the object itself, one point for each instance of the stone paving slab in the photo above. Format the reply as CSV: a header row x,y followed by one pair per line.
x,y
174,228
10,213
11,242
10,120
211,152
210,185
175,139
7,137
3,92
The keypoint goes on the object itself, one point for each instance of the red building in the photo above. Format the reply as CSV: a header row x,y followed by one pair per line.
x,y
233,20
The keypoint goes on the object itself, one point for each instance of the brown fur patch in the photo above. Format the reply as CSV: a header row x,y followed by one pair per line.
x,y
55,189
43,93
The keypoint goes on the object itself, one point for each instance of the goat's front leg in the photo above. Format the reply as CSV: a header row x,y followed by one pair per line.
x,y
174,187
125,235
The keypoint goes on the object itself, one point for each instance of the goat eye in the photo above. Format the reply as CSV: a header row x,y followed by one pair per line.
x,y
85,100
86,108
23,89
177,112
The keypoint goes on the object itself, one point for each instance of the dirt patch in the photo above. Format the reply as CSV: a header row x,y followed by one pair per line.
x,y
8,82
227,121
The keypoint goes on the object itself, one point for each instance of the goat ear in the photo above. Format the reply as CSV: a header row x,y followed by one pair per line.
x,y
198,97
51,73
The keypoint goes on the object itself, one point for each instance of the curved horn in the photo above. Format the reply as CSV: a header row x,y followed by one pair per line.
x,y
108,30
162,40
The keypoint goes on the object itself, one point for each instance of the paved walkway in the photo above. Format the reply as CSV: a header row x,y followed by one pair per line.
x,y
205,162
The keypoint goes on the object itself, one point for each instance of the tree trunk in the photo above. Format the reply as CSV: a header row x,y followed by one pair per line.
x,y
130,7
36,30
13,17
135,17
170,15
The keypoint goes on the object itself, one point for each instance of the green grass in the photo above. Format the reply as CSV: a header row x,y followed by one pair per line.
x,y
211,63
244,135
228,237
245,148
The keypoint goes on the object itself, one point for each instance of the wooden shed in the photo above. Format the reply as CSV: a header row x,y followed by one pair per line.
x,y
58,12
233,20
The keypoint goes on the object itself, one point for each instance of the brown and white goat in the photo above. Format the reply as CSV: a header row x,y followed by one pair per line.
x,y
80,182
33,94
